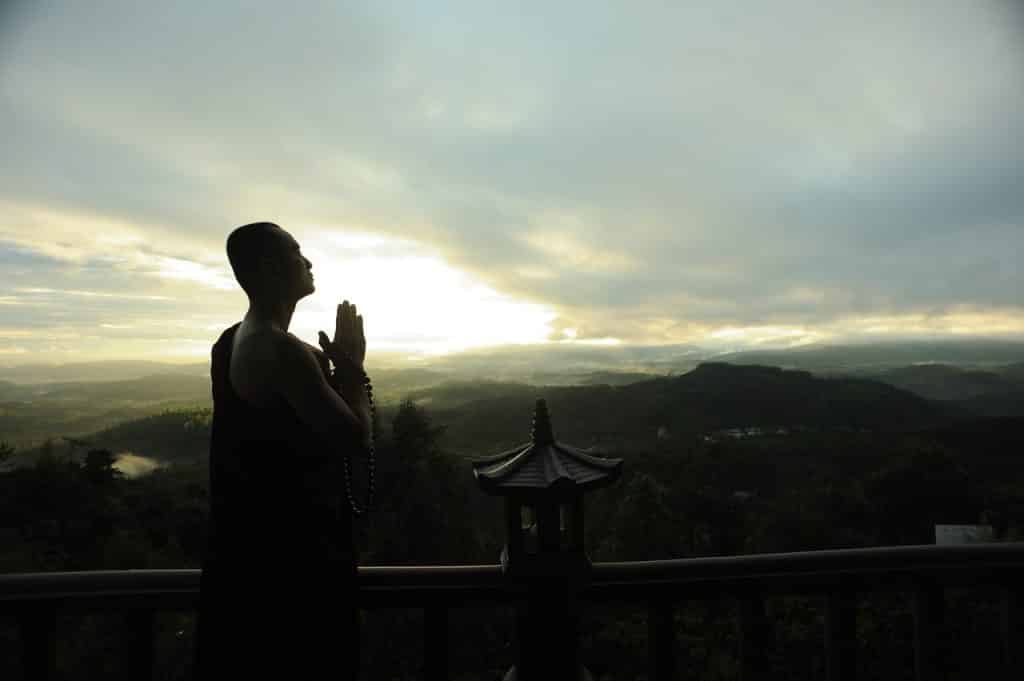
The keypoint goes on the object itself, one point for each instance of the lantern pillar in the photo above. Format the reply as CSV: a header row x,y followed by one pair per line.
x,y
546,480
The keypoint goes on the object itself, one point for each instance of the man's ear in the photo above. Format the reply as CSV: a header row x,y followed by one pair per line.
x,y
270,267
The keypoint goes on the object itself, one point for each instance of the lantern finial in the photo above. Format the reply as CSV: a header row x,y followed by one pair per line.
x,y
542,434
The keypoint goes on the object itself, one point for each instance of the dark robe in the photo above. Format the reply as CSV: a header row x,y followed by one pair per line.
x,y
278,584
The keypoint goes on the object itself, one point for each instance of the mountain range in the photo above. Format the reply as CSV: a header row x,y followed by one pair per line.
x,y
591,406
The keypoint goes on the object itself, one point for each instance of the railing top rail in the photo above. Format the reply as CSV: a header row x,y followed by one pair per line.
x,y
862,568
840,561
412,584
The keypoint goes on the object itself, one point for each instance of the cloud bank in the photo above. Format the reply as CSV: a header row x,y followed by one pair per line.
x,y
652,173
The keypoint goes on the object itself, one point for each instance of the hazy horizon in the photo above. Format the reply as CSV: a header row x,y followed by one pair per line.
x,y
478,177
560,364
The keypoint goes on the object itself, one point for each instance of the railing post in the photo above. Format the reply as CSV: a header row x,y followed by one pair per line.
x,y
753,637
141,652
841,635
661,639
929,649
435,643
1013,631
38,624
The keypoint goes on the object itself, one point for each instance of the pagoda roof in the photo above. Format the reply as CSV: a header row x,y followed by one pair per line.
x,y
544,464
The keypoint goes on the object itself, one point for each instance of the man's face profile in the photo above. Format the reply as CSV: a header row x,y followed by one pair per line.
x,y
287,271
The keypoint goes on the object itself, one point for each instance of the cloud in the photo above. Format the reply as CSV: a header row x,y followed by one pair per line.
x,y
650,174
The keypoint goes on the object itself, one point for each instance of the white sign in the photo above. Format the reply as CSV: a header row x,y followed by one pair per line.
x,y
963,534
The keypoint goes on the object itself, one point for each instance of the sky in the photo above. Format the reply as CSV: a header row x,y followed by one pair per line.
x,y
474,174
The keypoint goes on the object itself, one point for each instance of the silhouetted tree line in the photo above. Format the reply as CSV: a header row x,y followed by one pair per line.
x,y
683,497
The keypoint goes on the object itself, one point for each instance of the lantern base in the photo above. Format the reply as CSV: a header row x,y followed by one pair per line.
x,y
565,563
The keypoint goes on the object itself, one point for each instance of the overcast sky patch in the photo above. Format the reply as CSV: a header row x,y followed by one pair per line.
x,y
652,173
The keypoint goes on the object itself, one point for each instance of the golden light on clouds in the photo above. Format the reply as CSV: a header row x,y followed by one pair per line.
x,y
188,270
770,335
965,322
565,238
962,321
570,250
411,299
645,190
67,236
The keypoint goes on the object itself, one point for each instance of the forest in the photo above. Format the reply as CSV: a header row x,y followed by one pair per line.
x,y
723,460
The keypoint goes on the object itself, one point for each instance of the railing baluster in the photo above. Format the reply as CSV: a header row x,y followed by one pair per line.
x,y
929,651
435,643
1013,631
36,598
38,623
141,650
753,637
661,639
841,635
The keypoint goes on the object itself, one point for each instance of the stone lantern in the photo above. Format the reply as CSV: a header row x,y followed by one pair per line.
x,y
543,483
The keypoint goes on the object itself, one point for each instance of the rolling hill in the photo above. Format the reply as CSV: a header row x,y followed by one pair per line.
x,y
483,416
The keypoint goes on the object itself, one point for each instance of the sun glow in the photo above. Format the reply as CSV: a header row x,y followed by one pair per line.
x,y
411,299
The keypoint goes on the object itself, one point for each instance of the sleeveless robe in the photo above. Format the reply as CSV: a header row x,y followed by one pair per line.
x,y
278,582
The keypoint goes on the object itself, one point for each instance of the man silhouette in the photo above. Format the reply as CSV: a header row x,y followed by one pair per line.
x,y
278,585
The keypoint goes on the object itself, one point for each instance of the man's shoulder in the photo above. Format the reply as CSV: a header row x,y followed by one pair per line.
x,y
262,343
277,354
290,348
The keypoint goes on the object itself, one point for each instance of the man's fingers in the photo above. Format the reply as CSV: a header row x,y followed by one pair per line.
x,y
345,327
325,342
348,324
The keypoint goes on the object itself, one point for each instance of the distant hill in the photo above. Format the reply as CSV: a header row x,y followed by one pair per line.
x,y
592,377
721,395
579,364
391,385
181,435
456,394
875,357
15,391
944,382
484,416
171,435
992,393
1013,371
714,396
541,363
152,388
114,370
31,413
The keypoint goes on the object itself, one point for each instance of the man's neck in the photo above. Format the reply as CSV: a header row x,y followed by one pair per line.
x,y
276,313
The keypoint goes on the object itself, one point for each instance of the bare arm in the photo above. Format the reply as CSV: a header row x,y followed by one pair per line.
x,y
352,390
301,380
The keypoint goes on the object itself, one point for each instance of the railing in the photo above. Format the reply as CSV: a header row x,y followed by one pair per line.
x,y
836,576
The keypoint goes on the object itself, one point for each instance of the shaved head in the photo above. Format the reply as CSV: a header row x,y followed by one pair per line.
x,y
248,246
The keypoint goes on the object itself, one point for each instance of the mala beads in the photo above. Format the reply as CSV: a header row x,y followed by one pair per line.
x,y
356,510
